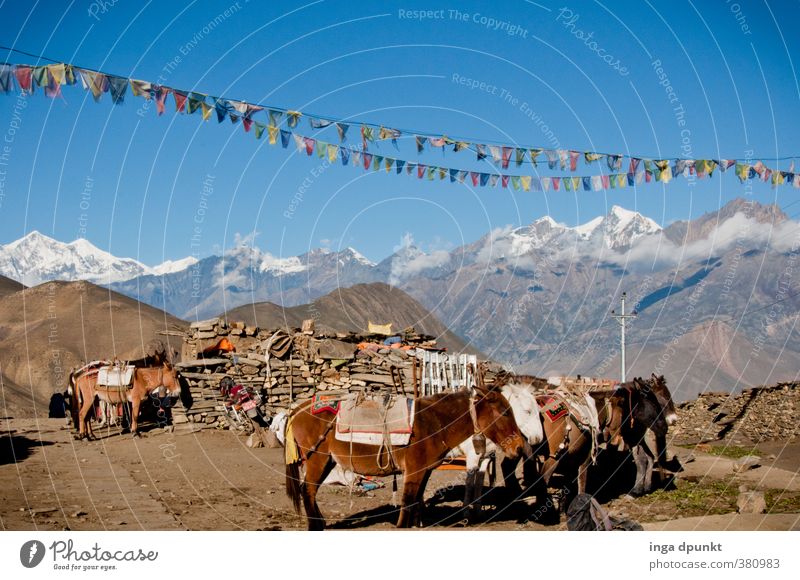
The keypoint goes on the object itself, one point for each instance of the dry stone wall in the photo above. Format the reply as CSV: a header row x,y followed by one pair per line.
x,y
758,414
287,368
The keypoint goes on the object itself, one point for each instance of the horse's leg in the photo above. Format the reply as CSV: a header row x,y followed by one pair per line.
x,y
469,491
318,467
583,473
419,504
136,403
640,458
648,472
413,477
477,502
510,481
661,458
83,416
583,469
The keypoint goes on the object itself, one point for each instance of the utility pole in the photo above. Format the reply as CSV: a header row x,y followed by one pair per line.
x,y
622,318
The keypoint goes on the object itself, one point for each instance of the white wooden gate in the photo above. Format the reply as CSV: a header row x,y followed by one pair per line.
x,y
442,371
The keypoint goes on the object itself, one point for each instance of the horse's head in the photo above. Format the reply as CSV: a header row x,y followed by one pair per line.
x,y
659,388
495,419
526,412
648,408
170,379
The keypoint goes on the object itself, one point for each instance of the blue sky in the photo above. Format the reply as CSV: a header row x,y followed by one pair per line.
x,y
133,183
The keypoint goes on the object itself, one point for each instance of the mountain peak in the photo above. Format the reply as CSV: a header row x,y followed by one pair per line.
x,y
32,237
357,256
546,220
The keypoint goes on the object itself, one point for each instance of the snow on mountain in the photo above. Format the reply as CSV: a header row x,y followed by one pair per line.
x,y
616,231
352,254
621,227
37,258
280,266
172,266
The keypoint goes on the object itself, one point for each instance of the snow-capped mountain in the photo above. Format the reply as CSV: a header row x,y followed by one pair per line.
x,y
617,231
171,266
37,258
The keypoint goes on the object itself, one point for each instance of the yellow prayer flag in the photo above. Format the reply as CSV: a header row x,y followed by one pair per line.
x,y
333,152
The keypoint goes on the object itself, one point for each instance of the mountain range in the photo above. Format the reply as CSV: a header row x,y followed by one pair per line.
x,y
711,294
37,258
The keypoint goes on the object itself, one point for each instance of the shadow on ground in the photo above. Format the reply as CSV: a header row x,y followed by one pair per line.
x,y
17,448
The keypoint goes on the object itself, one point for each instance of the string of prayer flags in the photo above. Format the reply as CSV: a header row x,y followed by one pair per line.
x,y
51,77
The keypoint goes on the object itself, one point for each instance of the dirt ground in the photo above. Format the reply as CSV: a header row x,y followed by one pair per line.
x,y
210,480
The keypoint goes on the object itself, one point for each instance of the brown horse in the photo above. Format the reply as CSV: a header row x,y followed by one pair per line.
x,y
569,444
624,416
441,423
145,381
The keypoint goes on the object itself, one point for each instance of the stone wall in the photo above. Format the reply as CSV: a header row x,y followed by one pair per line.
x,y
288,367
758,414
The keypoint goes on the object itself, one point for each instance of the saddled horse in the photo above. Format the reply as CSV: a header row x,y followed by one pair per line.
x,y
638,406
571,440
145,381
526,414
441,422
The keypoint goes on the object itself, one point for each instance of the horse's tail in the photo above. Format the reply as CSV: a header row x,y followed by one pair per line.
x,y
292,457
293,485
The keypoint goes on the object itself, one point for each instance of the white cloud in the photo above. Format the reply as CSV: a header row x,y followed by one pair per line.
x,y
410,260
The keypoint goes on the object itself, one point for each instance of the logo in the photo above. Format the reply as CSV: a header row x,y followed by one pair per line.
x,y
31,553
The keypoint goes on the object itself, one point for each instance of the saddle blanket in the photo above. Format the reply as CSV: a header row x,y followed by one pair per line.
x,y
552,408
325,404
115,376
366,420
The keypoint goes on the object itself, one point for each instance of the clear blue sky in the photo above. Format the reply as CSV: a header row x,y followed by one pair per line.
x,y
138,178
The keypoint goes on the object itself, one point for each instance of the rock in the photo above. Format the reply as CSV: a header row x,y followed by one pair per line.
x,y
206,325
751,502
254,441
745,463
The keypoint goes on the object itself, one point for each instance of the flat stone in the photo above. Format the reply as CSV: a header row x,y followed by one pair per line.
x,y
745,463
751,502
205,324
202,362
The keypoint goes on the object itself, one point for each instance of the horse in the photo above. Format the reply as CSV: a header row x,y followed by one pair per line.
x,y
641,405
145,381
441,422
526,414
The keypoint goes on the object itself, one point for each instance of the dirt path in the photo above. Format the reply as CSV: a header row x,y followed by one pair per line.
x,y
210,480
48,481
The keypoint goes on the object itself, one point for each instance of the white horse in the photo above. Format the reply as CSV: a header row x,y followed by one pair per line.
x,y
526,414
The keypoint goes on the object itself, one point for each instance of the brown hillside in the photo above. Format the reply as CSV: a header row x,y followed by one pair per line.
x,y
9,286
47,330
350,309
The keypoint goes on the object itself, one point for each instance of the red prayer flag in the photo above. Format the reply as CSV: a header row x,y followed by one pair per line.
x,y
180,101
24,76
